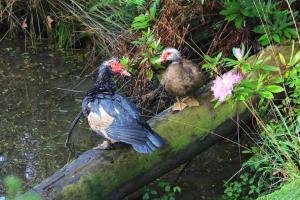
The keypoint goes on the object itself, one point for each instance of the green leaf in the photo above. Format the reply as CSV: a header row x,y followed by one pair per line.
x,y
292,31
124,61
238,22
231,17
144,60
152,10
282,60
263,37
13,186
241,98
168,188
246,13
275,88
146,196
176,189
287,34
217,104
276,37
278,80
227,12
153,192
270,68
296,58
259,29
246,67
149,74
266,94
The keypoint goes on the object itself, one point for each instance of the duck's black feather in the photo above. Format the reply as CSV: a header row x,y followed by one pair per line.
x,y
127,126
122,120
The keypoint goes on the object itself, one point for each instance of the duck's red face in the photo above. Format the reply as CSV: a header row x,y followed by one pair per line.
x,y
165,56
119,69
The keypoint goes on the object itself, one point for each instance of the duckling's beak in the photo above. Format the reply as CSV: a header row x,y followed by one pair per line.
x,y
119,68
161,59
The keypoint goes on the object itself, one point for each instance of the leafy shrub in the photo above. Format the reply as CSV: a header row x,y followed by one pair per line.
x,y
14,190
276,153
238,11
275,24
161,191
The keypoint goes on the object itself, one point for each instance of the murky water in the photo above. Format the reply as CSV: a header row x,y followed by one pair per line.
x,y
35,114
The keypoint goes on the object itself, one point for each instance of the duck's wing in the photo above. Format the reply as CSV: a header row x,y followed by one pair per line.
x,y
195,73
128,106
126,126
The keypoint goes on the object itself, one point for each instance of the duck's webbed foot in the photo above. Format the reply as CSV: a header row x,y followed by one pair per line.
x,y
191,102
105,145
179,105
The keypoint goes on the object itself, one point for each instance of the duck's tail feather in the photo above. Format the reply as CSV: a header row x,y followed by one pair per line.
x,y
143,140
153,142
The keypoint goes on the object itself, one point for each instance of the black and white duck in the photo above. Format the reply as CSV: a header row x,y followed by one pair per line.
x,y
113,116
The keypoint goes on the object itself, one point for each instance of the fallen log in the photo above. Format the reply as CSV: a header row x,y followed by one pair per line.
x,y
97,174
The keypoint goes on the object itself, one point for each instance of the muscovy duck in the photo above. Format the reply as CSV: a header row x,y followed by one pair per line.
x,y
182,78
113,116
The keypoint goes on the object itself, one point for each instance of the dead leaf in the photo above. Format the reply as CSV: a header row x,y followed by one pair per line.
x,y
49,22
24,24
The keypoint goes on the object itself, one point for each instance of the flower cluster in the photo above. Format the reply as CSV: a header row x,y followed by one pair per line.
x,y
223,85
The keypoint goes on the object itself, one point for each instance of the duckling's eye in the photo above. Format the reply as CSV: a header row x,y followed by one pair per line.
x,y
166,54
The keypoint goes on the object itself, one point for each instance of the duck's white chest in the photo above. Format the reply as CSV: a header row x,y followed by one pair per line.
x,y
99,121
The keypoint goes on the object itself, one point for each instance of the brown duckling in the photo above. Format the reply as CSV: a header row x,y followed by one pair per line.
x,y
182,78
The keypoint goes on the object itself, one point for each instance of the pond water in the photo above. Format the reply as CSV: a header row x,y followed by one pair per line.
x,y
35,114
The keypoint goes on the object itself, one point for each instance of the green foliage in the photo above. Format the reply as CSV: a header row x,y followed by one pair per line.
x,y
98,5
99,22
257,75
212,63
276,154
202,2
161,191
64,32
275,25
13,187
143,21
273,162
237,11
245,188
147,57
287,192
293,81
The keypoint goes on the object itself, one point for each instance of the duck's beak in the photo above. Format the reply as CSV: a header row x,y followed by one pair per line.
x,y
125,72
119,68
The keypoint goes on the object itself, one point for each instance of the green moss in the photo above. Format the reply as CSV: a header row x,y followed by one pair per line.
x,y
290,191
84,189
179,130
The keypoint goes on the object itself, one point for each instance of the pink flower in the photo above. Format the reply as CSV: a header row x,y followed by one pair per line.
x,y
223,86
238,53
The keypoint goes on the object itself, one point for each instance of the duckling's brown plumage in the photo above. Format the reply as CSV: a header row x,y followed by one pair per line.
x,y
182,77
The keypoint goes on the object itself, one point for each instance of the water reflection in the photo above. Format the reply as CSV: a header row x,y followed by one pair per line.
x,y
2,158
35,115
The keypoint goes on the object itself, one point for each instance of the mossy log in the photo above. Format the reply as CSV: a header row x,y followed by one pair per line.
x,y
97,174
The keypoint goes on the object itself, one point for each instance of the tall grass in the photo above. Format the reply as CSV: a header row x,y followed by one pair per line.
x,y
100,21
